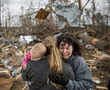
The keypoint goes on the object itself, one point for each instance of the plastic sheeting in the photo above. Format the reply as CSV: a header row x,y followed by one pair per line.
x,y
66,14
27,39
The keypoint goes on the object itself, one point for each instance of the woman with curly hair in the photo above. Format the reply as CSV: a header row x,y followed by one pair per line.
x,y
70,51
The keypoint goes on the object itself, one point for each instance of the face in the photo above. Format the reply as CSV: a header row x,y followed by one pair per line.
x,y
66,50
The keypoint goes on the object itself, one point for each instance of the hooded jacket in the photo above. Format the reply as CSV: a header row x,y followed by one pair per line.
x,y
37,73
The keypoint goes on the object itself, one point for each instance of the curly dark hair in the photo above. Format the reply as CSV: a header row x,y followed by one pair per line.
x,y
71,40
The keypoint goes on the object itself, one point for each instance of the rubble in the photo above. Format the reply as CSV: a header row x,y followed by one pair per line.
x,y
101,88
5,79
96,80
96,53
89,47
27,39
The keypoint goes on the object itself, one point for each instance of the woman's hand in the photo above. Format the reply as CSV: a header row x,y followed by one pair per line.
x,y
58,78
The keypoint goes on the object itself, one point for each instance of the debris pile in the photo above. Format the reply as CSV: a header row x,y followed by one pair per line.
x,y
12,50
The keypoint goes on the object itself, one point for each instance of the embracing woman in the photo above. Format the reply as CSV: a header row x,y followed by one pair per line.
x,y
48,61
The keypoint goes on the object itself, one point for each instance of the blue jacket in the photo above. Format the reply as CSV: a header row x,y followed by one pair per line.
x,y
83,77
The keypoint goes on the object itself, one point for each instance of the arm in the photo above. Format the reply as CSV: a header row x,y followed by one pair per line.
x,y
26,73
26,59
83,77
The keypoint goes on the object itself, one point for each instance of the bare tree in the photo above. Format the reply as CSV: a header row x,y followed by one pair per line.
x,y
26,18
8,17
80,4
108,13
93,12
0,11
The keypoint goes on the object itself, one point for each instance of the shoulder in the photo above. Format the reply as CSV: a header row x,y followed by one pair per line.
x,y
81,61
78,59
78,63
41,61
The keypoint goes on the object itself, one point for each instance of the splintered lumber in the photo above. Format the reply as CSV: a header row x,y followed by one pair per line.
x,y
42,14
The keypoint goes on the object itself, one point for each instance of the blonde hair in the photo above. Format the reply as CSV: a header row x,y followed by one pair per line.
x,y
54,59
37,51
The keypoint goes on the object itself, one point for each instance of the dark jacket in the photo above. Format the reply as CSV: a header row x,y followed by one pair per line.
x,y
37,73
83,76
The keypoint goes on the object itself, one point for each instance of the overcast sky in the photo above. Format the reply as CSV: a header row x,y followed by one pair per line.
x,y
14,6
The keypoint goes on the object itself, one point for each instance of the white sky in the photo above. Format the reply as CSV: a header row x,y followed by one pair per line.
x,y
15,5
